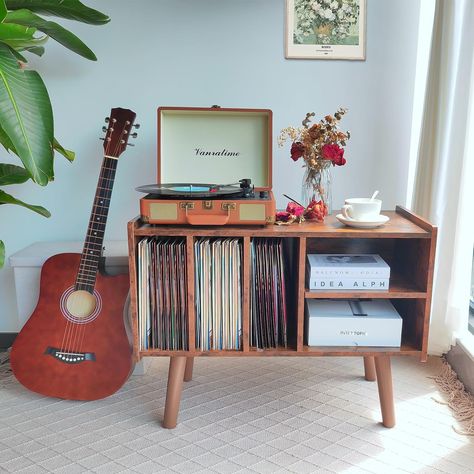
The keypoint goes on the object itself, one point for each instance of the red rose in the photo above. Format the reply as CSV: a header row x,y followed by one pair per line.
x,y
297,151
295,209
316,210
282,216
333,152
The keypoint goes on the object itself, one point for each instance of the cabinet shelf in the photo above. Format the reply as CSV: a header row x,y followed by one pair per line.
x,y
405,349
321,351
399,288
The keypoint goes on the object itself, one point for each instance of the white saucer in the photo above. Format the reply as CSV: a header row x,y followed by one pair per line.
x,y
363,224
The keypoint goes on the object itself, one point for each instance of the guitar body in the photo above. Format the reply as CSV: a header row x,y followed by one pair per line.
x,y
67,352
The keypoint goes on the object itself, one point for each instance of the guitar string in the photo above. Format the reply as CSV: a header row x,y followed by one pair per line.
x,y
111,178
98,199
66,344
108,194
71,325
103,193
89,280
68,337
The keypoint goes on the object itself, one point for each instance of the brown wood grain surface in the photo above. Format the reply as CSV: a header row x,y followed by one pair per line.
x,y
132,265
397,227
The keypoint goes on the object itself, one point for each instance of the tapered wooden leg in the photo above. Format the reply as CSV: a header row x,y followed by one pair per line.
x,y
188,371
384,382
369,369
173,392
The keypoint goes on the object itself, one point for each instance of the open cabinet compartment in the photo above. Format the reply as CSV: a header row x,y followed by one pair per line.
x,y
161,294
408,260
273,293
218,293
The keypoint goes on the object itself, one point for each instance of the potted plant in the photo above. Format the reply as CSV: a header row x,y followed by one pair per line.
x,y
26,117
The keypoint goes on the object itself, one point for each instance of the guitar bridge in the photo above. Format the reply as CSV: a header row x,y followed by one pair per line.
x,y
69,357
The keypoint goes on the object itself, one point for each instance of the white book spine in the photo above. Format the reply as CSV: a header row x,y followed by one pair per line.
x,y
368,273
376,284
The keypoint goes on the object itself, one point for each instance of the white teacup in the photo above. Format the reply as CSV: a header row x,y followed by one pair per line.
x,y
362,209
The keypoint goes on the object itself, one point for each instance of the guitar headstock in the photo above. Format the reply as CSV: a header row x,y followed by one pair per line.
x,y
118,131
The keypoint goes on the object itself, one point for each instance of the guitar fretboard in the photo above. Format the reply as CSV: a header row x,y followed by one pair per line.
x,y
92,252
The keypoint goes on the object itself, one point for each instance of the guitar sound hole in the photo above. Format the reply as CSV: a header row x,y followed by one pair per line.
x,y
79,306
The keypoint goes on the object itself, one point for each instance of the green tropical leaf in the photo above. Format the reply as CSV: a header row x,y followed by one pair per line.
x,y
69,9
68,154
25,44
3,10
19,56
9,199
57,32
2,247
38,50
12,174
26,116
6,142
10,31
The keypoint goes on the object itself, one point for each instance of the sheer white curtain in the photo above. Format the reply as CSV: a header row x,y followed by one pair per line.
x,y
444,180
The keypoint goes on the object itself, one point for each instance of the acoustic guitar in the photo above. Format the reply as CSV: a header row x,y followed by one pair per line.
x,y
75,345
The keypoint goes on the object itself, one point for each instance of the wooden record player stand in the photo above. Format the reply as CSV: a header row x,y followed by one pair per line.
x,y
407,243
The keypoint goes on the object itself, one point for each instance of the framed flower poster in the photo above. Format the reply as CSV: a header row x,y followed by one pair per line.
x,y
325,29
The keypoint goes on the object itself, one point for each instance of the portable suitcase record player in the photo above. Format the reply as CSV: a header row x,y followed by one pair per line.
x,y
229,148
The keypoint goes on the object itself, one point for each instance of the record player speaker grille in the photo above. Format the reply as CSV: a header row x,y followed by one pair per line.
x,y
252,212
164,211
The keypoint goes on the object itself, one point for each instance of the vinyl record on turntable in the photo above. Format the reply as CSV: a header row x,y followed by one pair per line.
x,y
197,190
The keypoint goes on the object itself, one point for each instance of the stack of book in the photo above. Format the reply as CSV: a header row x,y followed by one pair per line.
x,y
162,308
347,272
268,317
218,280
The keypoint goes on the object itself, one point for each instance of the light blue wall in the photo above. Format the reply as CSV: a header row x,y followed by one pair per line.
x,y
204,52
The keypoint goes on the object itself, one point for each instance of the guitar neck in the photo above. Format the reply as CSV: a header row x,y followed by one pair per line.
x,y
92,251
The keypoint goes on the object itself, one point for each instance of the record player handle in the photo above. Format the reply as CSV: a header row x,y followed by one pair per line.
x,y
204,219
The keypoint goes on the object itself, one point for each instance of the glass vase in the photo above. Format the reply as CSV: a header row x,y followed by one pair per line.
x,y
316,186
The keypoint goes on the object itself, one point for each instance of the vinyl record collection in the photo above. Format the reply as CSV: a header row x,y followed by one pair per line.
x,y
268,317
162,293
218,277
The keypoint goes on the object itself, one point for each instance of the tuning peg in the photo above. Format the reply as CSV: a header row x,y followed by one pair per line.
x,y
134,135
130,144
107,119
137,126
104,128
102,138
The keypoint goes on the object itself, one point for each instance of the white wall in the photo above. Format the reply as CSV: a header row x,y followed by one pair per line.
x,y
204,52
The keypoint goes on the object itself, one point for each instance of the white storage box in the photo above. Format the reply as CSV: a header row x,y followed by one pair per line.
x,y
368,323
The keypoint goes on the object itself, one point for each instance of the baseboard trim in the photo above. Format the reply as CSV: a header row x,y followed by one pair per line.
x,y
462,363
6,339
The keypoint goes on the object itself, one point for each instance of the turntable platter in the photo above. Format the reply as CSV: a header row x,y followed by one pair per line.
x,y
198,190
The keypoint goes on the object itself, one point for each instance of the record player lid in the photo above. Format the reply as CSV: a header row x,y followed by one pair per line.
x,y
214,145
